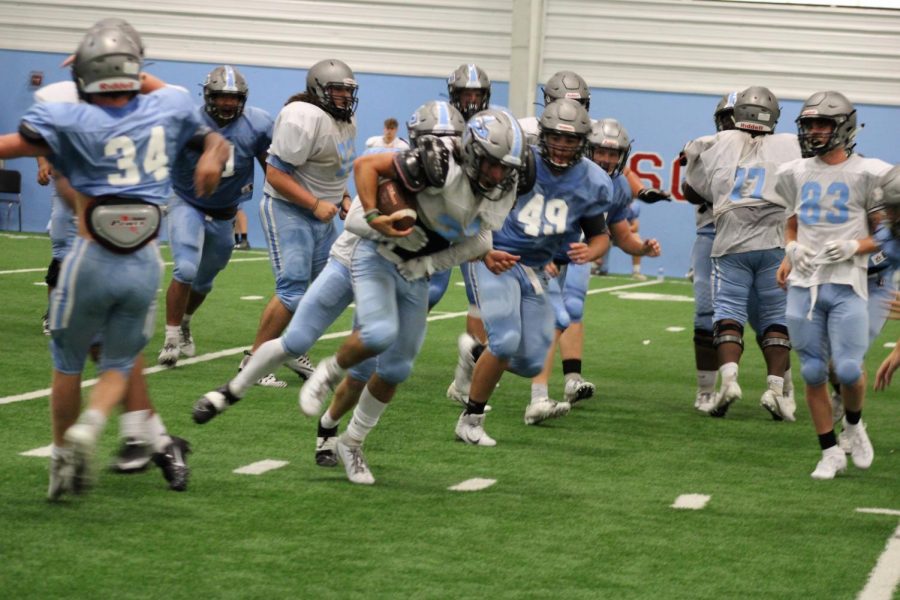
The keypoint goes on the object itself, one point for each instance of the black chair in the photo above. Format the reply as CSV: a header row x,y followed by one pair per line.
x,y
11,185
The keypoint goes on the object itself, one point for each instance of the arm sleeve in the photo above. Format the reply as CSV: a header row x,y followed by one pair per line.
x,y
470,248
593,225
355,222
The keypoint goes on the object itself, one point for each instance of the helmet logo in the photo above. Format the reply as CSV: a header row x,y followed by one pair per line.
x,y
751,125
479,126
565,127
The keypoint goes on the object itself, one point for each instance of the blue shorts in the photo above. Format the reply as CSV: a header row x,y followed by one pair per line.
x,y
88,301
748,277
881,291
703,280
298,247
63,226
437,287
201,246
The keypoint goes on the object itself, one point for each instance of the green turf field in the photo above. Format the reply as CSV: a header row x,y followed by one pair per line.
x,y
581,507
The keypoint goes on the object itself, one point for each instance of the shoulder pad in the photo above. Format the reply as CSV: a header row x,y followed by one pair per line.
x,y
409,170
528,174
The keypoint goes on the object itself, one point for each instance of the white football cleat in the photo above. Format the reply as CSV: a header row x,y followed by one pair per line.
x,y
833,462
355,463
460,398
62,473
318,388
788,406
861,450
771,401
301,365
705,401
542,409
470,429
731,393
186,342
577,390
270,380
465,363
80,438
168,356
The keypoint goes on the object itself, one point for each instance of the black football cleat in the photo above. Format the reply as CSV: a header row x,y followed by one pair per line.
x,y
173,463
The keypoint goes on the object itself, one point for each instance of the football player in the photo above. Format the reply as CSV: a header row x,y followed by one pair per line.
x,y
888,238
469,88
735,171
200,229
115,149
830,193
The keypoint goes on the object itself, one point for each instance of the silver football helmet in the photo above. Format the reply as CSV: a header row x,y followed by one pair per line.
x,y
756,110
469,77
493,151
327,77
724,115
828,106
437,118
609,134
568,118
107,61
567,84
125,26
224,81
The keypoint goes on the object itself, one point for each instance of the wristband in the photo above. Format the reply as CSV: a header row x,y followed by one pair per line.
x,y
372,214
316,205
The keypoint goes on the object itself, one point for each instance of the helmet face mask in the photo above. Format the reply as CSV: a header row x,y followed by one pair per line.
x,y
225,92
332,84
723,117
567,84
107,61
436,118
564,127
609,146
469,89
493,152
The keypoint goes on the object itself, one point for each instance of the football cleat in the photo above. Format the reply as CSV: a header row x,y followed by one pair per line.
x,y
266,381
771,401
242,245
173,463
457,396
133,457
542,409
62,472
212,404
470,429
326,443
577,390
355,463
465,364
833,462
45,323
788,406
705,401
318,389
186,345
168,356
80,438
301,365
731,393
861,450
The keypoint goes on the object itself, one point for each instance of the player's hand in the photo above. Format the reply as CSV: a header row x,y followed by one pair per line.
x,y
801,258
498,261
44,172
325,211
384,225
414,241
651,248
416,268
580,253
551,269
207,175
838,251
651,195
887,368
784,270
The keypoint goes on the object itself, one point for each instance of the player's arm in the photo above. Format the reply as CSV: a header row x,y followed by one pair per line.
x,y
211,163
367,169
44,171
468,249
596,235
15,145
630,243
641,192
293,191
151,83
261,158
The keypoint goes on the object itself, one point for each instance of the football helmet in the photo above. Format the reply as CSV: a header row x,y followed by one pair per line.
x,y
567,84
469,77
434,118
568,118
493,141
756,110
609,133
224,81
107,61
125,26
724,115
328,76
828,106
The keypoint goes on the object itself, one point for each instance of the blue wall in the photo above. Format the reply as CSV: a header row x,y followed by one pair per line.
x,y
659,123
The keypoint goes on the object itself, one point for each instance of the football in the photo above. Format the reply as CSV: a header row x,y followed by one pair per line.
x,y
393,199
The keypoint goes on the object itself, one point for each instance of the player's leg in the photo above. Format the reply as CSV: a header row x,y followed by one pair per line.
x,y
636,259
240,231
733,279
706,359
771,302
540,382
571,343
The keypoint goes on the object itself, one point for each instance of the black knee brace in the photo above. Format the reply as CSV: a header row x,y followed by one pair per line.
x,y
52,275
703,338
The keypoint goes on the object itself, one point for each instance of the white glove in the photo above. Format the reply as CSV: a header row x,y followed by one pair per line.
x,y
416,268
838,251
801,257
413,242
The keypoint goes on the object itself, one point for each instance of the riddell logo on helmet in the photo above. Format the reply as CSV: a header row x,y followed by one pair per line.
x,y
119,85
573,95
809,112
565,127
749,125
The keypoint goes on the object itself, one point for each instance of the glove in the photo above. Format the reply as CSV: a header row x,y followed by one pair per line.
x,y
651,195
416,268
800,257
837,251
413,242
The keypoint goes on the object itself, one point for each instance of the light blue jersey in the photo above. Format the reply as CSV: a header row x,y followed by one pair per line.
x,y
542,220
250,135
618,212
125,151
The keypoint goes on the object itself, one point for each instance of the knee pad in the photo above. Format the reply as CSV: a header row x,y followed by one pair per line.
x,y
378,335
848,371
52,276
505,344
185,271
728,332
814,371
575,308
703,338
396,372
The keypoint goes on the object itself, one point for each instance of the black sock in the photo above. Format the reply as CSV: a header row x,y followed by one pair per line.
x,y
571,365
477,351
237,238
323,432
473,408
827,440
853,417
243,237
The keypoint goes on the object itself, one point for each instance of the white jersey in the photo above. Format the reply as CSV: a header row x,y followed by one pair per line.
x,y
692,152
736,173
345,245
316,149
531,129
377,141
831,202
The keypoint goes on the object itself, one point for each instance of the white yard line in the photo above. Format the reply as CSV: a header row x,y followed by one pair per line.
x,y
879,511
691,501
472,485
885,577
42,452
260,467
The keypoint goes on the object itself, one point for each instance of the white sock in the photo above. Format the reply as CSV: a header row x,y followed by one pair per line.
x,y
788,383
729,372
172,332
365,417
706,381
95,419
636,269
775,383
261,363
539,391
133,425
327,422
159,437
335,371
186,320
